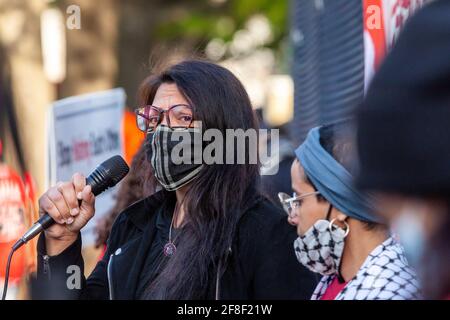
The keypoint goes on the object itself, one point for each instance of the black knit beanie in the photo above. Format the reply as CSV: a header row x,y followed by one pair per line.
x,y
404,123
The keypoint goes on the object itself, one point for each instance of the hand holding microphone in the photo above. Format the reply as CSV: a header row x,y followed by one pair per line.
x,y
71,205
67,207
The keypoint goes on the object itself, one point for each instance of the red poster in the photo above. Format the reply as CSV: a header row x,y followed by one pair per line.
x,y
374,37
374,26
399,12
383,23
12,220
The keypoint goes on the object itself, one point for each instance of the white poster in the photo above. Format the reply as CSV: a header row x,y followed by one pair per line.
x,y
84,131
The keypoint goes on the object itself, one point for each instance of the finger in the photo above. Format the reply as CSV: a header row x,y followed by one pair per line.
x,y
46,206
68,191
87,201
60,203
79,182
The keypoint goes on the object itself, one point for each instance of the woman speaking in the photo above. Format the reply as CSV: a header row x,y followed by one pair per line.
x,y
207,234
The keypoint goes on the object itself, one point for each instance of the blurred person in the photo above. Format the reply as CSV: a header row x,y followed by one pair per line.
x,y
404,144
339,236
207,234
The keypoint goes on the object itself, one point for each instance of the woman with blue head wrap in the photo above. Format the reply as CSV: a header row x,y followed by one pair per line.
x,y
340,237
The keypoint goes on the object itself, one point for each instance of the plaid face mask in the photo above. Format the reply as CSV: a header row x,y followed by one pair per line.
x,y
175,155
320,248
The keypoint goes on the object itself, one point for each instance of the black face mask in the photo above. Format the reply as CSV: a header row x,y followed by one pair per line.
x,y
175,155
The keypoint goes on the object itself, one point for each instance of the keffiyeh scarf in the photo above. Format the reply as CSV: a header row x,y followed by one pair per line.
x,y
385,275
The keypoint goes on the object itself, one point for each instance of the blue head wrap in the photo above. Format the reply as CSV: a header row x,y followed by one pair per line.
x,y
333,181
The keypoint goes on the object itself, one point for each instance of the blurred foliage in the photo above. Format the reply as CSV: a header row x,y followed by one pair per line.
x,y
202,20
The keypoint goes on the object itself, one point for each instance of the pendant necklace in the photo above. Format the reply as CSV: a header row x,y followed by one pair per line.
x,y
170,248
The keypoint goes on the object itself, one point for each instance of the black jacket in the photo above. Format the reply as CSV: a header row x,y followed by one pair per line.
x,y
261,263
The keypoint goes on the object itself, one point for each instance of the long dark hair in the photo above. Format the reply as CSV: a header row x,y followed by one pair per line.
x,y
137,184
215,200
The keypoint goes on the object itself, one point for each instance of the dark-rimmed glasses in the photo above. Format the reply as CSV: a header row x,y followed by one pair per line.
x,y
149,117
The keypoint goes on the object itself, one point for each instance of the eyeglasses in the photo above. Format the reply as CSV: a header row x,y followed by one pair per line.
x,y
149,117
289,203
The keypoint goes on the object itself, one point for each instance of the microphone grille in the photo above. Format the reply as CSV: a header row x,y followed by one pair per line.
x,y
117,168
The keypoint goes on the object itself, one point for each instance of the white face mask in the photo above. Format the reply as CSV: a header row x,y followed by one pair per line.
x,y
320,248
411,235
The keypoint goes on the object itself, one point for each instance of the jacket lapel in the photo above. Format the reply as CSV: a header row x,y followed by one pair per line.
x,y
127,261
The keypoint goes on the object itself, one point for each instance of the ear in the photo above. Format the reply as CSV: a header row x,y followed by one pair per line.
x,y
341,217
338,215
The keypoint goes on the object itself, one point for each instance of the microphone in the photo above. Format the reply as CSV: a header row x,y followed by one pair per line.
x,y
106,175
